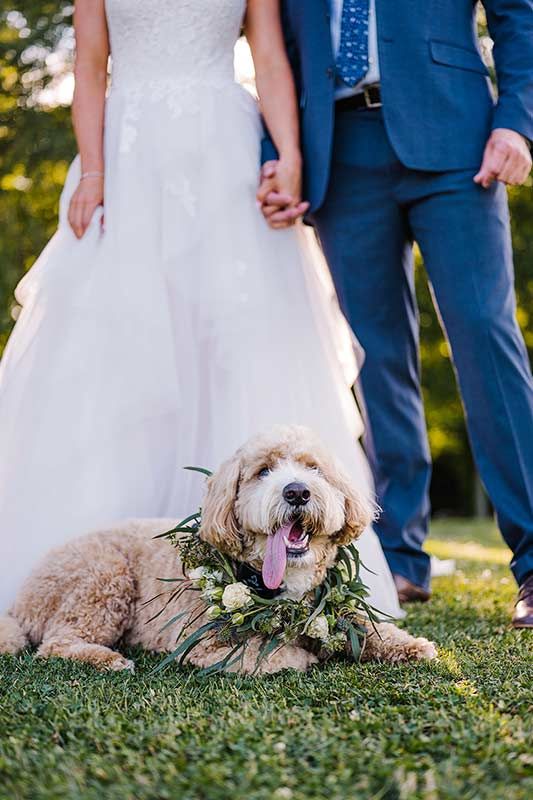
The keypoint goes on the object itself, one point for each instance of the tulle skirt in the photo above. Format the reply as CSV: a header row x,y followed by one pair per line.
x,y
166,336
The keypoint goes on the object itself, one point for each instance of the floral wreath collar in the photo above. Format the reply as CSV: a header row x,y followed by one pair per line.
x,y
237,606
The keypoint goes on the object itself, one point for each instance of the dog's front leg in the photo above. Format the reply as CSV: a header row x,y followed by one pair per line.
x,y
69,645
287,656
392,644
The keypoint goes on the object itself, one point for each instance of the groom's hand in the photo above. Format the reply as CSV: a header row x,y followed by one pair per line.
x,y
506,158
278,208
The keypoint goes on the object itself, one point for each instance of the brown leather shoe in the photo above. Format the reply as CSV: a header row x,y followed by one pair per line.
x,y
523,613
409,592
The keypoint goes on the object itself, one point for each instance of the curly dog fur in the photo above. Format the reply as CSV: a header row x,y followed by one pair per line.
x,y
91,593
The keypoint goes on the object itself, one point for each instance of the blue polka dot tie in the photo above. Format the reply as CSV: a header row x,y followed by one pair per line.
x,y
352,58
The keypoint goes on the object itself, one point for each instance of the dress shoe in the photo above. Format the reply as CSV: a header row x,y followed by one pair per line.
x,y
409,592
523,613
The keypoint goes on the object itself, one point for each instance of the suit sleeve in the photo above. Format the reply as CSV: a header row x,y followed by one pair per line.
x,y
511,27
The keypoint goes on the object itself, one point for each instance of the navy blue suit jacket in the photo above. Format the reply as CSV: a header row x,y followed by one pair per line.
x,y
438,105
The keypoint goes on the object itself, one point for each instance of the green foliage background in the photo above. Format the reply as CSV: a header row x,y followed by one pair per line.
x,y
37,144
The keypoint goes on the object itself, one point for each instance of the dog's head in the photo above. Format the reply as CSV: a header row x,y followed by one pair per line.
x,y
283,505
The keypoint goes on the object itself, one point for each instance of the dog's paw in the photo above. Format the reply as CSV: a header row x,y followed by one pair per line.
x,y
288,657
422,649
393,644
121,664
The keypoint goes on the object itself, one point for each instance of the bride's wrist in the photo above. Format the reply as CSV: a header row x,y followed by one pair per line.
x,y
92,164
291,155
92,174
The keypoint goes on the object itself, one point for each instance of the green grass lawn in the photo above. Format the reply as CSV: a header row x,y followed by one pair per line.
x,y
456,728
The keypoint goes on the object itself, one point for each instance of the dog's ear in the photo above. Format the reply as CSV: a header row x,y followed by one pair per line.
x,y
219,522
360,509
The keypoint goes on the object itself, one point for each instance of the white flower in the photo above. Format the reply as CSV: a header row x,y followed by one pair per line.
x,y
212,592
319,628
236,595
197,574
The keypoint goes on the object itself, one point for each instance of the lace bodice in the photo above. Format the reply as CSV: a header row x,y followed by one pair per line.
x,y
185,41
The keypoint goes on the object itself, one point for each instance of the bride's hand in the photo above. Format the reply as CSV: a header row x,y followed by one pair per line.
x,y
279,193
289,178
84,202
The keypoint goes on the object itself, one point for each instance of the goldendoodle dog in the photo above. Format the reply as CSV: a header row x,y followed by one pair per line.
x,y
281,505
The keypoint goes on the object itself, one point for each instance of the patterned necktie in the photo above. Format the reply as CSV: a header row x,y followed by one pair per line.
x,y
352,58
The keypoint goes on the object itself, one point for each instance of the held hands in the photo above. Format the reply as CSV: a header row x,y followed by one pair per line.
x,y
280,190
506,158
85,200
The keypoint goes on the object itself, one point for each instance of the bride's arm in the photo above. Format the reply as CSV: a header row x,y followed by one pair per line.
x,y
92,51
277,94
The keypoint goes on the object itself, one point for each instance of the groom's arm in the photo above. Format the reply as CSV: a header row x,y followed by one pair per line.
x,y
507,157
510,25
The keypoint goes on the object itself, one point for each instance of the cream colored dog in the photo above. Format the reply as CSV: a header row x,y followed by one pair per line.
x,y
281,505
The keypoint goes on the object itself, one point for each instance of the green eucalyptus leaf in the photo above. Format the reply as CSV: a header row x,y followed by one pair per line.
x,y
186,646
201,470
355,644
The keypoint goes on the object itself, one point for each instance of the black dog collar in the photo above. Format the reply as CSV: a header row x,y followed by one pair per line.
x,y
253,578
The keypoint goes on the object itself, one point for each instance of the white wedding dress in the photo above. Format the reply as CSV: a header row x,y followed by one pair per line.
x,y
185,327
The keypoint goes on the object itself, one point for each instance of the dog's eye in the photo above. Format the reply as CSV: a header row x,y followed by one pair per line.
x,y
263,472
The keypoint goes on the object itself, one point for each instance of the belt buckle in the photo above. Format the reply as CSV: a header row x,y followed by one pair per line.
x,y
368,101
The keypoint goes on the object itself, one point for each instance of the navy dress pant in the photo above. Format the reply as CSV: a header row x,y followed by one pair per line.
x,y
375,208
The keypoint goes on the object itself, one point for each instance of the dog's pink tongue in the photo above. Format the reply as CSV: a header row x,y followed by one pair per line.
x,y
275,558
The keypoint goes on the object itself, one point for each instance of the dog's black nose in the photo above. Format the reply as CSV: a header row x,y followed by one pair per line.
x,y
297,494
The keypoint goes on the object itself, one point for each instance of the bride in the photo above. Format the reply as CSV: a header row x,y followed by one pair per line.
x,y
166,330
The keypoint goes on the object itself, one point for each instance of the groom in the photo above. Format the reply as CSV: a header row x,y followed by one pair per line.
x,y
402,140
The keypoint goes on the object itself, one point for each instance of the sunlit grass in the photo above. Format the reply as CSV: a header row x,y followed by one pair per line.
x,y
456,728
482,531
469,551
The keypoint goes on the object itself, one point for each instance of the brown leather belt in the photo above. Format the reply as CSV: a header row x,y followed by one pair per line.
x,y
370,97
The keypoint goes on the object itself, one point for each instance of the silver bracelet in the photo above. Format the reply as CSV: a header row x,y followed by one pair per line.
x,y
91,175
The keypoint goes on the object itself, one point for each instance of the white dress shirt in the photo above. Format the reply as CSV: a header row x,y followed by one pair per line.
x,y
372,76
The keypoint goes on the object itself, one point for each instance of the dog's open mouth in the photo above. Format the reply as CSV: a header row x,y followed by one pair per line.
x,y
289,542
297,541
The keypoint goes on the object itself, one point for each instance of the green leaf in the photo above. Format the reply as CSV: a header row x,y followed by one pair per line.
x,y
269,646
318,610
183,526
259,617
225,662
355,644
185,647
226,566
173,620
346,558
264,601
202,470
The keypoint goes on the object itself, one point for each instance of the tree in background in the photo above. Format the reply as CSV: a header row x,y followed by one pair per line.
x,y
37,144
36,139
